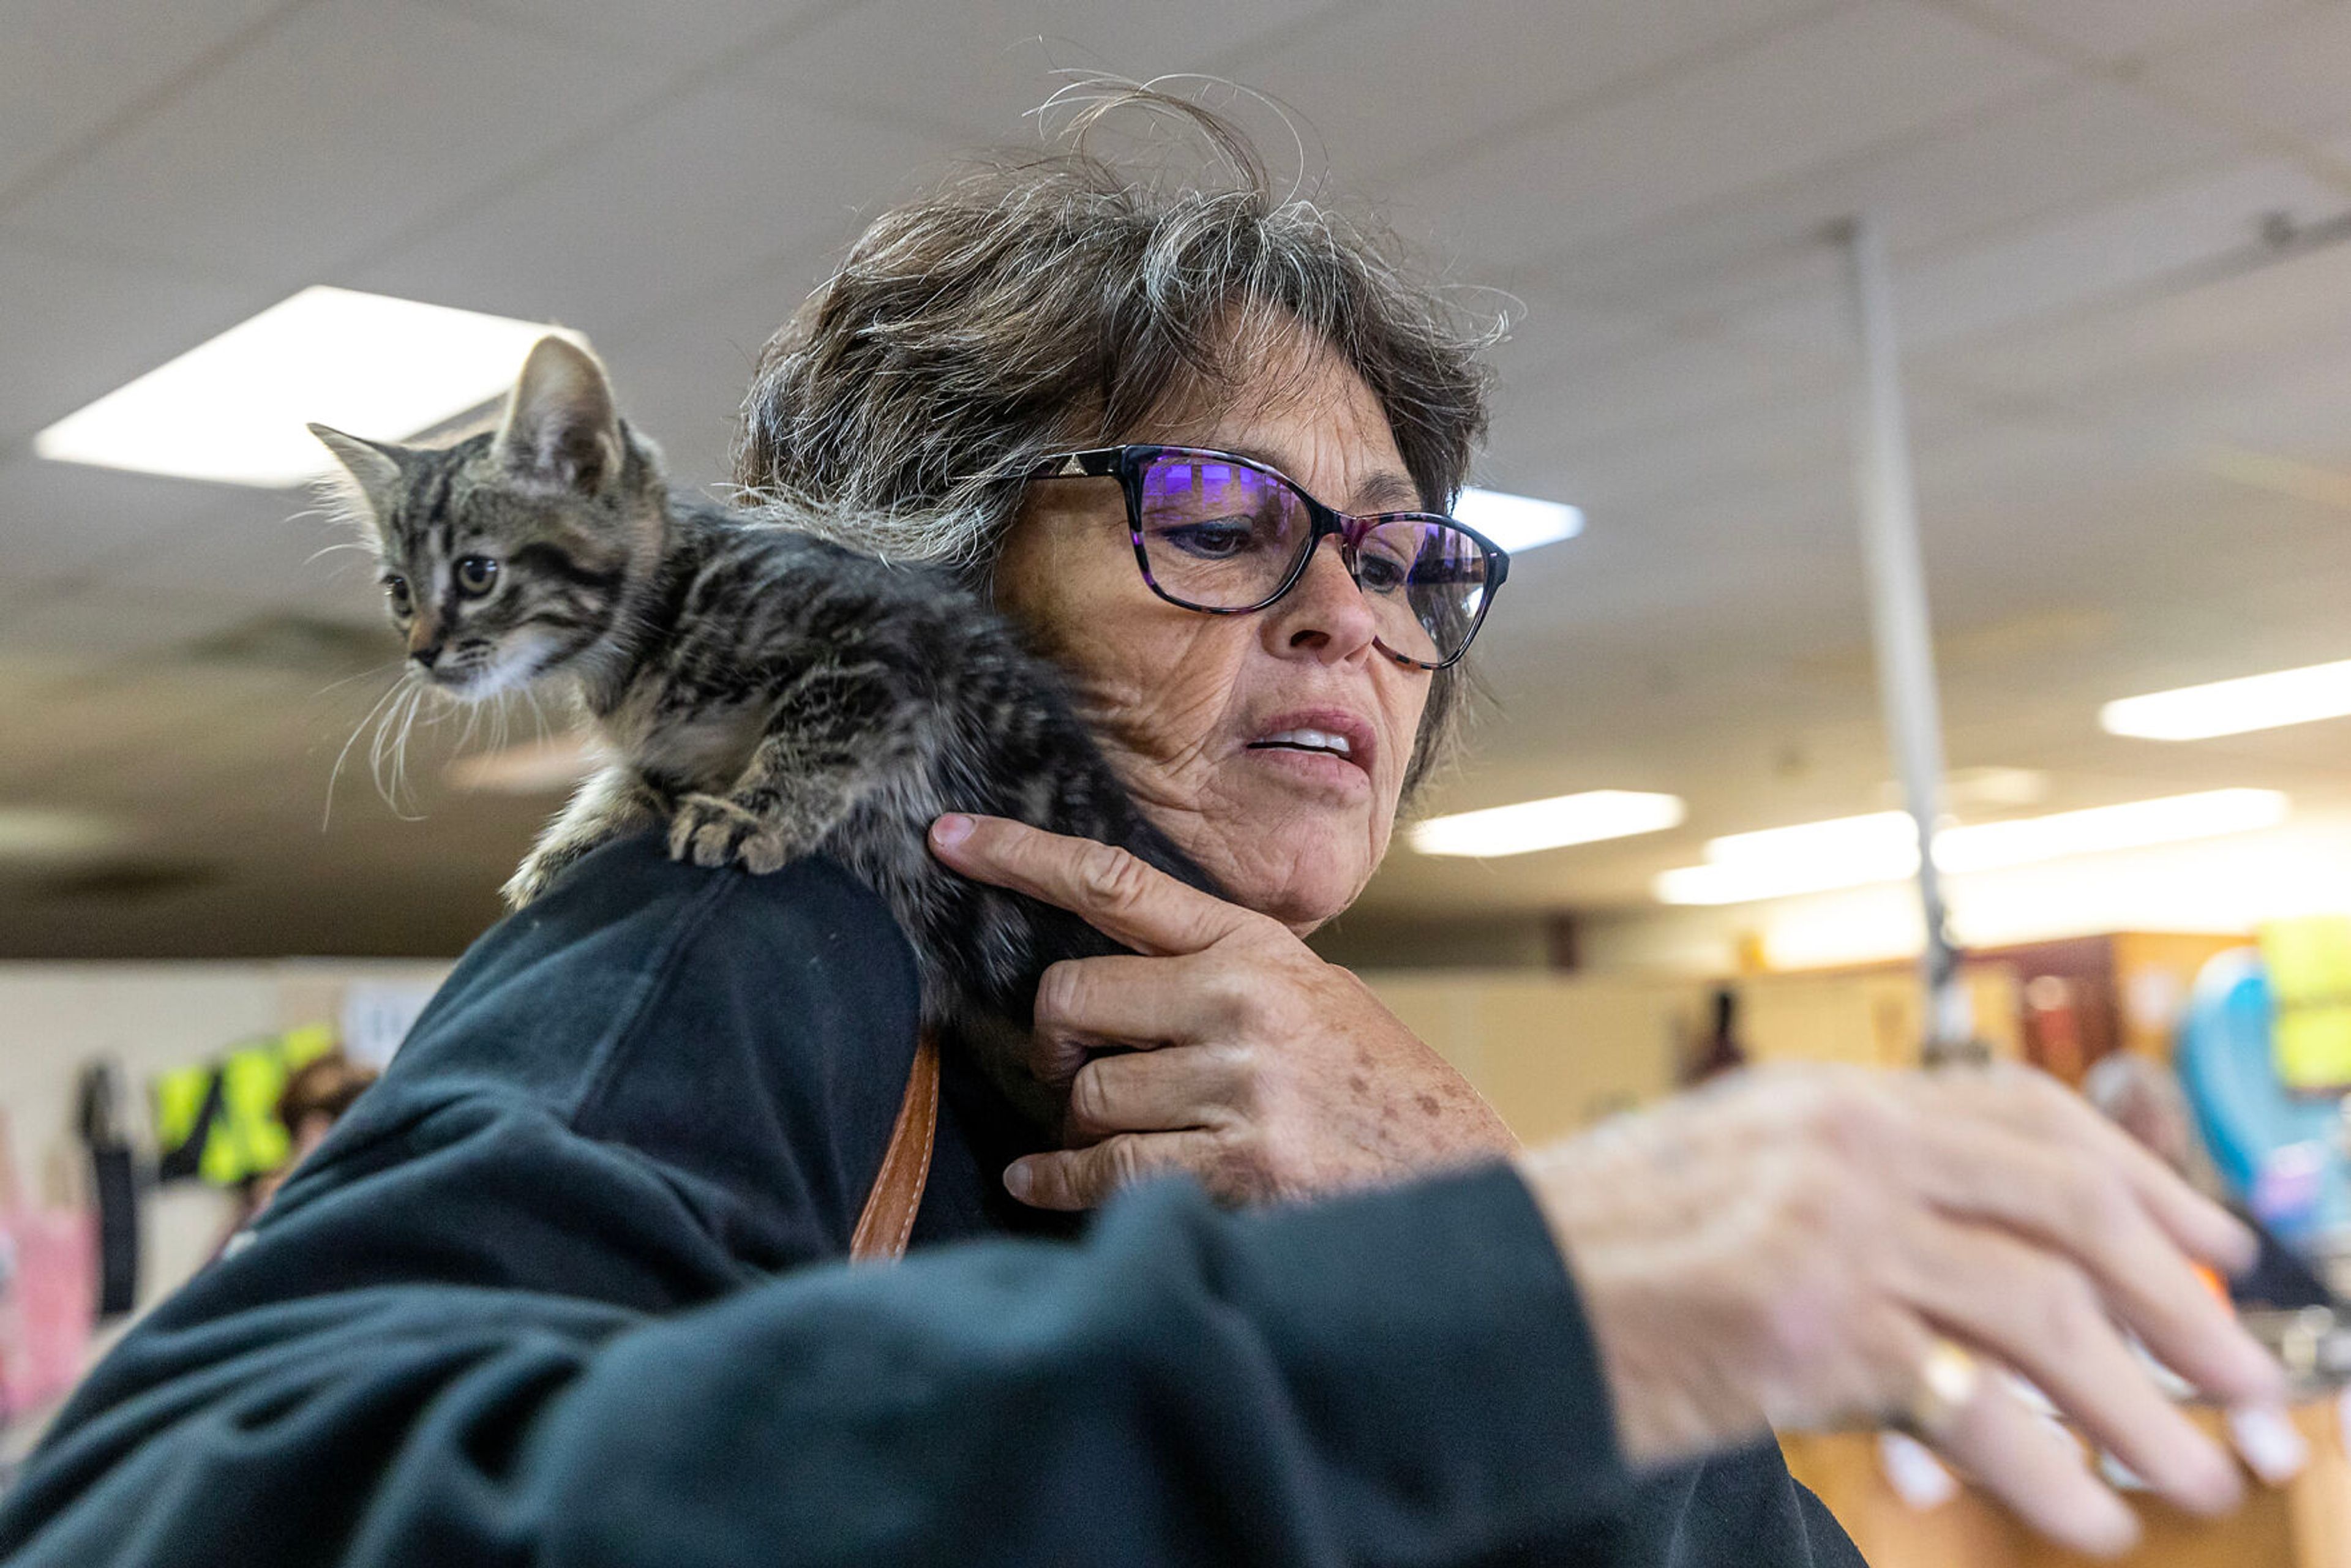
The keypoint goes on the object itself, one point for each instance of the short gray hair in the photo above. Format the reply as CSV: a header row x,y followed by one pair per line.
x,y
1035,304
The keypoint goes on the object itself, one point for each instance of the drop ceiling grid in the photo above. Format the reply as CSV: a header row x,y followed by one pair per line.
x,y
1658,652
324,137
76,70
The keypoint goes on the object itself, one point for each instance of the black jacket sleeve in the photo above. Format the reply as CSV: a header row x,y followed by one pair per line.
x,y
551,1294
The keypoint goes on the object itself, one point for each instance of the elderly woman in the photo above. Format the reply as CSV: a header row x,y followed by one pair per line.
x,y
554,1291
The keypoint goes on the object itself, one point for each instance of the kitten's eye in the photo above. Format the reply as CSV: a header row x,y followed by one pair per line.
x,y
395,588
475,573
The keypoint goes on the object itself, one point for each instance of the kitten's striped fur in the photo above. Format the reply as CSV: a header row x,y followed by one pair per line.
x,y
767,693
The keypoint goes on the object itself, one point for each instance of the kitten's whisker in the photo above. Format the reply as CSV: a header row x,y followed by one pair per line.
x,y
368,673
390,752
336,773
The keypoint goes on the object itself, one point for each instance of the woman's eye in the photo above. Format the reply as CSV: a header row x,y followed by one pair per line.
x,y
1381,573
475,573
1220,539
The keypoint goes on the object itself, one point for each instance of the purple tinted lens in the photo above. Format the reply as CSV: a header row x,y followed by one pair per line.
x,y
1218,534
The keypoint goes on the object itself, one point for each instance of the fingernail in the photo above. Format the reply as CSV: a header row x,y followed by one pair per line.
x,y
1917,1477
2109,1527
1018,1179
2271,1448
951,830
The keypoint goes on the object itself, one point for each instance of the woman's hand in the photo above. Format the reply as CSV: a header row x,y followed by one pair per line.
x,y
1241,1058
1802,1249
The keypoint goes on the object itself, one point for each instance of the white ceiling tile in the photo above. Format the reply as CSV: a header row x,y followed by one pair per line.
x,y
2035,161
330,134
1552,332
71,66
979,66
2082,258
2102,251
682,375
1398,83
95,623
77,326
1806,96
1671,382
2130,359
676,32
262,548
690,195
2122,29
60,519
2293,75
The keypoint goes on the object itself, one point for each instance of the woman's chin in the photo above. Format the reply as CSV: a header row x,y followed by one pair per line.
x,y
1301,878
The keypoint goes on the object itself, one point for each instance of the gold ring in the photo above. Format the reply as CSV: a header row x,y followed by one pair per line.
x,y
1948,1379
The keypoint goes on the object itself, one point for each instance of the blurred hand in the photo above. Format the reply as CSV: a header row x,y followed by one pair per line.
x,y
1241,1058
1790,1248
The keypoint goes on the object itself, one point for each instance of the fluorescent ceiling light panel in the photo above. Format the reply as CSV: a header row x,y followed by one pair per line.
x,y
1552,824
232,410
1517,522
1854,851
2234,707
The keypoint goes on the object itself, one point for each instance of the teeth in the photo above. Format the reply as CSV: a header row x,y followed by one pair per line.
x,y
1310,739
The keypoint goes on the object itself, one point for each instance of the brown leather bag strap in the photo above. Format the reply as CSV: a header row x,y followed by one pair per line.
x,y
889,1217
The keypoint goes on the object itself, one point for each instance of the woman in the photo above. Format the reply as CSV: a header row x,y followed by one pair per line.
x,y
544,1294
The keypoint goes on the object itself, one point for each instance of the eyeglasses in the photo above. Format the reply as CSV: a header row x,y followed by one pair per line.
x,y
1227,536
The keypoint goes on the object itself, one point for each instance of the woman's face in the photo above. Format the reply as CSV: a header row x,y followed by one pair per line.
x,y
1190,707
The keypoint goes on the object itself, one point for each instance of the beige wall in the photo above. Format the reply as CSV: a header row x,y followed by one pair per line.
x,y
1552,1052
1556,1053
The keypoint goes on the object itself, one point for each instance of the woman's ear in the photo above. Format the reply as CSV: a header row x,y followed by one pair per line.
x,y
561,430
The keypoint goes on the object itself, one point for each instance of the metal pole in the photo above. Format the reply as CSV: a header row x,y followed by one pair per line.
x,y
1888,503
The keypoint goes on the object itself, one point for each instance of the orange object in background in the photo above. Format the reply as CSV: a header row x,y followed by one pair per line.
x,y
2306,1524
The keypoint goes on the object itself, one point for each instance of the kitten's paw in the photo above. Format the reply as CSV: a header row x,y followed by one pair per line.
x,y
522,887
712,830
535,876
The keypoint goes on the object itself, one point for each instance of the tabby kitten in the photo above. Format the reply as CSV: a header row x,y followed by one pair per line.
x,y
766,692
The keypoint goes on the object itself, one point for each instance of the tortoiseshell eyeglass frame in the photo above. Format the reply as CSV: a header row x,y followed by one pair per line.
x,y
1128,464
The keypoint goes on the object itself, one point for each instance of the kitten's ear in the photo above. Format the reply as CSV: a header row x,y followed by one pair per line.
x,y
374,470
561,430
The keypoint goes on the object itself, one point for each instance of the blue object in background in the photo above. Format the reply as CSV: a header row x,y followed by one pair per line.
x,y
2278,1151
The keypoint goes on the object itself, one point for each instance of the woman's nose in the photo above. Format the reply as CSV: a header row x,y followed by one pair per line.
x,y
1325,614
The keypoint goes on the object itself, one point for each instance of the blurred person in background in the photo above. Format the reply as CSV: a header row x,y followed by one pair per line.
x,y
316,1095
559,1289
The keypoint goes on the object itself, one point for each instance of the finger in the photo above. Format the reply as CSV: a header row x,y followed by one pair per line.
x,y
2036,1469
1165,1091
1071,1179
2033,1103
2041,1316
2075,1202
1116,893
1085,1005
1123,999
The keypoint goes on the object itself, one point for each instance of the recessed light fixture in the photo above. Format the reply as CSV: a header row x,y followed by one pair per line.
x,y
2233,707
1854,851
232,410
1552,824
1517,522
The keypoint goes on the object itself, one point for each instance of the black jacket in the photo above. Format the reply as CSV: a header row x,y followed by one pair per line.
x,y
564,1289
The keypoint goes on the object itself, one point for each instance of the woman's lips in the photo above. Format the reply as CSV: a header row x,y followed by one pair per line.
x,y
1331,742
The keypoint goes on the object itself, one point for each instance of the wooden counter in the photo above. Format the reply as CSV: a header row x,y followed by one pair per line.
x,y
2305,1524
